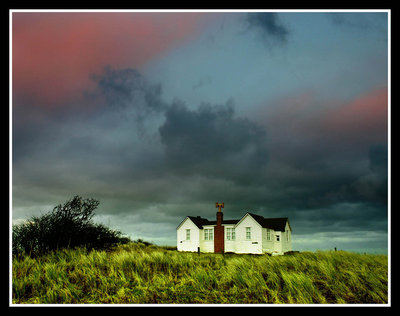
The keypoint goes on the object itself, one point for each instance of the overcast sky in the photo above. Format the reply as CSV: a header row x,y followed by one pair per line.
x,y
158,115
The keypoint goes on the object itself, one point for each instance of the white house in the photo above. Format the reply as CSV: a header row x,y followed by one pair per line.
x,y
250,234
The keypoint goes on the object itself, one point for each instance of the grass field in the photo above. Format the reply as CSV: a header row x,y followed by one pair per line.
x,y
137,273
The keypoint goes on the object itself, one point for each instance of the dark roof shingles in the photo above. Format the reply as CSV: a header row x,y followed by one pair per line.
x,y
272,223
199,221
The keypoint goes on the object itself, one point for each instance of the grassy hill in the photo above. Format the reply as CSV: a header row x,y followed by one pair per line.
x,y
139,273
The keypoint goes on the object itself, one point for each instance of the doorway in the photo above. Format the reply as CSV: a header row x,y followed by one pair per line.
x,y
277,243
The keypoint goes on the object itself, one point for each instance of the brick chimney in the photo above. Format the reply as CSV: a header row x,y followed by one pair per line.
x,y
219,231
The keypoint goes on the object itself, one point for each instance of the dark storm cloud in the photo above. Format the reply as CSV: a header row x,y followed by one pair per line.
x,y
378,159
128,88
209,140
341,217
270,26
364,21
212,142
38,131
372,186
127,95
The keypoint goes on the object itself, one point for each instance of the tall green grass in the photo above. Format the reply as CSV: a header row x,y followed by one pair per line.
x,y
138,273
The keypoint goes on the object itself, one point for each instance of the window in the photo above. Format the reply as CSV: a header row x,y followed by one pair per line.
x,y
208,234
268,234
287,235
277,237
187,234
230,234
248,233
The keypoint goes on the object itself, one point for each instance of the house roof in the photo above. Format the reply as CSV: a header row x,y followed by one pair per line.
x,y
200,221
272,223
228,221
277,224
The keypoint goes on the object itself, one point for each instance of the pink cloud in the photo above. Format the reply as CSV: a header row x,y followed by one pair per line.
x,y
301,122
54,53
308,113
365,117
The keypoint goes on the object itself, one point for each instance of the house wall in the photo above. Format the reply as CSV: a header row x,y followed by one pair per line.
x,y
278,244
254,245
206,245
230,245
267,245
286,245
194,242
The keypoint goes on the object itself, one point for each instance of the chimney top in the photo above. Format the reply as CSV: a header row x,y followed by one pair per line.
x,y
219,206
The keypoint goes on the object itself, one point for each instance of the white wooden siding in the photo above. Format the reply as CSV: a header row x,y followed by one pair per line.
x,y
230,245
286,245
194,242
254,245
267,245
207,245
